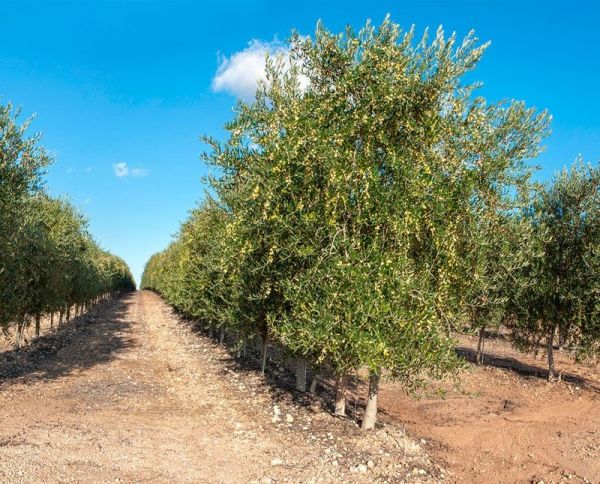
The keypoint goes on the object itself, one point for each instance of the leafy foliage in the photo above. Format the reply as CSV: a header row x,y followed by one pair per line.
x,y
561,293
368,203
48,260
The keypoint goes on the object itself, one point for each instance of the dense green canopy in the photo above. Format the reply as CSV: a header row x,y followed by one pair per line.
x,y
48,259
560,293
354,200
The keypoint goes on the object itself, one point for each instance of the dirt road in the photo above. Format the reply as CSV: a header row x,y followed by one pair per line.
x,y
129,393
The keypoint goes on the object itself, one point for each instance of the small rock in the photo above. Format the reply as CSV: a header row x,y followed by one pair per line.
x,y
289,418
276,462
370,464
362,468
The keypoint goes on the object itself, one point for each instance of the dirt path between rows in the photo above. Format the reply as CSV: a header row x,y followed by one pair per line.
x,y
130,393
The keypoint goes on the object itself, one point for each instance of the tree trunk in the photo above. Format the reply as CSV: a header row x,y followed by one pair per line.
x,y
37,325
52,320
241,348
370,417
210,331
263,356
313,384
68,313
340,394
550,350
221,334
19,333
301,374
480,345
61,315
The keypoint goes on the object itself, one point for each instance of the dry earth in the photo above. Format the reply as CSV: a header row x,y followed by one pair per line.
x,y
504,422
130,393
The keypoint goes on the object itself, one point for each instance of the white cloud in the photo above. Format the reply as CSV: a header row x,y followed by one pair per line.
x,y
240,73
138,172
121,169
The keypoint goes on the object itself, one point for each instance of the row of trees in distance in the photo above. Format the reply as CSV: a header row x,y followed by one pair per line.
x,y
368,204
49,263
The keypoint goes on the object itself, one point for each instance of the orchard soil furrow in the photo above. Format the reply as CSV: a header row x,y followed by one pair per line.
x,y
131,392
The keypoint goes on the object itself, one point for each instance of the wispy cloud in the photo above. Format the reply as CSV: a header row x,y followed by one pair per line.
x,y
138,172
239,74
122,170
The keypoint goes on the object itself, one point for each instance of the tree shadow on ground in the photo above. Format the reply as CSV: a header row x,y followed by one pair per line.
x,y
522,368
280,378
88,340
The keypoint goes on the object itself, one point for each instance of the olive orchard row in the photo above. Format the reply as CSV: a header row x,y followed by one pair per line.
x,y
367,205
49,263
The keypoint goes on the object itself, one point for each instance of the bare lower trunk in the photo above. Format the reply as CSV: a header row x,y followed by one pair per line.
x,y
52,320
480,346
61,315
550,349
221,334
210,331
37,325
313,384
370,417
340,394
19,333
68,313
263,356
301,374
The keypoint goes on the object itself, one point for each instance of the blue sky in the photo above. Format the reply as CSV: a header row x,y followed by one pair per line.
x,y
127,88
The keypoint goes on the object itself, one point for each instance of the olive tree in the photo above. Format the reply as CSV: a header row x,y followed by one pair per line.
x,y
562,296
357,186
22,161
366,175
